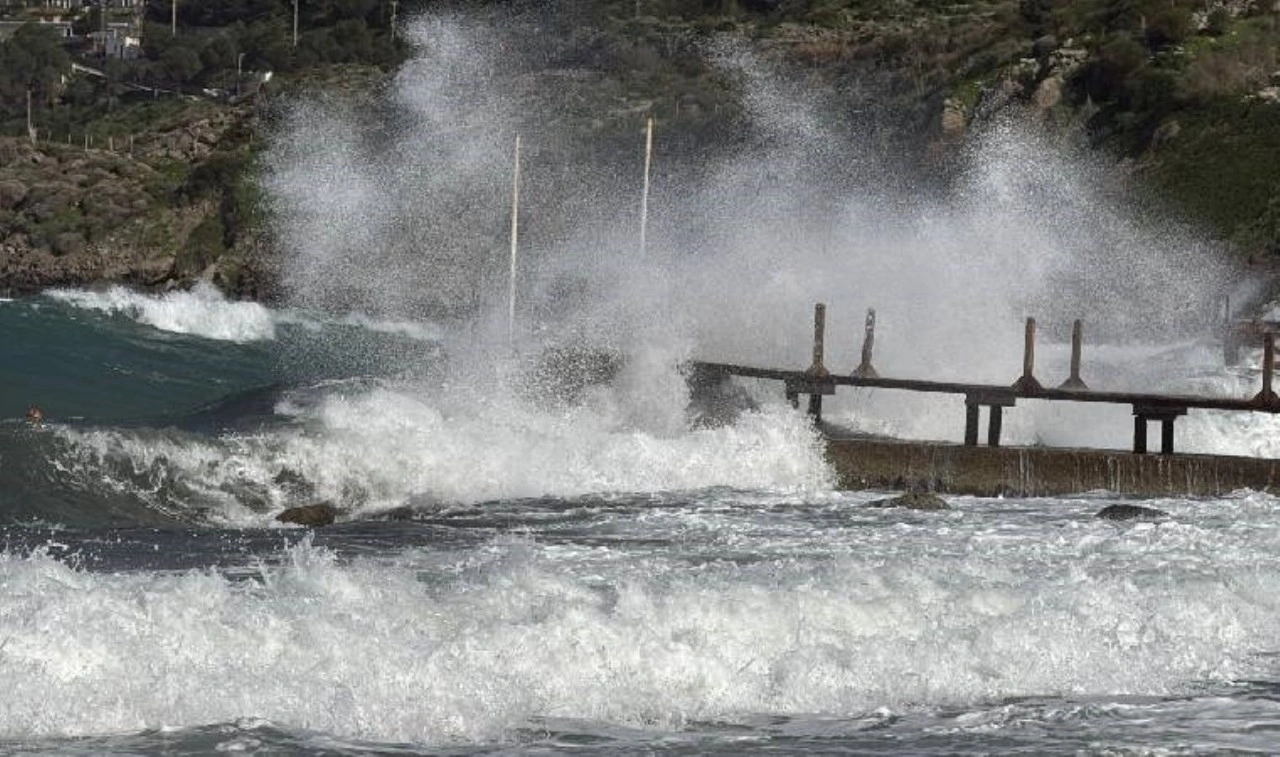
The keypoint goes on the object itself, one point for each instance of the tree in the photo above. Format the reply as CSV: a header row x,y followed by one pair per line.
x,y
219,54
115,71
180,64
1107,73
32,59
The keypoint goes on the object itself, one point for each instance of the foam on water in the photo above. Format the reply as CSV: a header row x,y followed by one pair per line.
x,y
477,435
205,312
426,332
977,606
376,448
201,311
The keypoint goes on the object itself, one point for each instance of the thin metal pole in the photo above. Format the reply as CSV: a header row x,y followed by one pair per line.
x,y
295,22
644,194
515,235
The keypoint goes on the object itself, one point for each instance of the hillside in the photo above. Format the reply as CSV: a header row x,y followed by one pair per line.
x,y
124,184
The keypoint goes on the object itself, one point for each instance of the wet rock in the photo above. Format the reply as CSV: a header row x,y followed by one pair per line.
x,y
954,117
1042,47
1130,512
397,513
1048,93
319,514
913,501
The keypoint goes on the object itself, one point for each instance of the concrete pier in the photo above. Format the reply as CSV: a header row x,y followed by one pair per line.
x,y
864,463
868,463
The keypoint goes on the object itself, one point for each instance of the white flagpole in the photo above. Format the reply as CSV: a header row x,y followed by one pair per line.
x,y
644,195
515,233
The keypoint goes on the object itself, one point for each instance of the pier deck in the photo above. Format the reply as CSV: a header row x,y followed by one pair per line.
x,y
1026,471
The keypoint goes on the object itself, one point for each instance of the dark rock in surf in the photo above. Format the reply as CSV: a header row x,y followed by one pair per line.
x,y
397,513
319,514
913,501
1130,512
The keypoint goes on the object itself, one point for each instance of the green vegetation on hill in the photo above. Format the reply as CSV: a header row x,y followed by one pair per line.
x,y
1188,91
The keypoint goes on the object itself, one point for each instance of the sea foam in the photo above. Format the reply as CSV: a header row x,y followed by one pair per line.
x,y
201,311
205,312
434,648
375,449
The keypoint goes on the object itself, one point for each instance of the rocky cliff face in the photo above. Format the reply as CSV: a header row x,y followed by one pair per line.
x,y
1196,120
130,211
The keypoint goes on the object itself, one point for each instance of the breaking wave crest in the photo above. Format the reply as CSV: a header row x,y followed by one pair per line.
x,y
202,311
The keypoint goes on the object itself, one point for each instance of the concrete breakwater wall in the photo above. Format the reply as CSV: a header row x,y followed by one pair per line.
x,y
862,463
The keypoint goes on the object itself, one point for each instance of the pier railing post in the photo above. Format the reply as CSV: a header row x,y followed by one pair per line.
x,y
1077,344
819,369
819,377
1027,384
864,369
1267,396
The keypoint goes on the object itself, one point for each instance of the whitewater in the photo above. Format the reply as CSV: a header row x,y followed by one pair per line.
x,y
547,542
516,574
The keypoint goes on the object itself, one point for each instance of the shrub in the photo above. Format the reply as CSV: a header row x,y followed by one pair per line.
x,y
1218,22
204,245
1167,25
1106,74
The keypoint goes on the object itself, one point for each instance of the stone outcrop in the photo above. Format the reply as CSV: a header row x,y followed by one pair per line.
x,y
319,514
913,501
1130,512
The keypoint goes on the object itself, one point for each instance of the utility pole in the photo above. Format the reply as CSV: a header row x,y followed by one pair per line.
x,y
393,20
295,23
173,7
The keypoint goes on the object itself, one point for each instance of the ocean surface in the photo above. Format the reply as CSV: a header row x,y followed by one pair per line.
x,y
527,566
